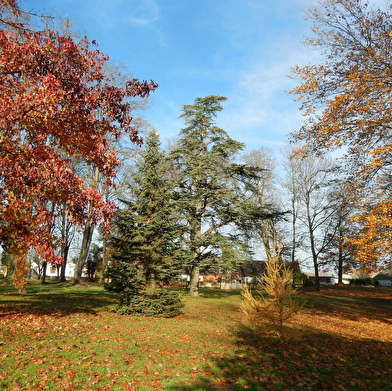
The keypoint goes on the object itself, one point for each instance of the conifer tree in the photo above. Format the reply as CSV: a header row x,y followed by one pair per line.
x,y
211,188
146,238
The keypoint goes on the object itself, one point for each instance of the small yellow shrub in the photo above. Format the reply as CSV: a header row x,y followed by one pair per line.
x,y
276,304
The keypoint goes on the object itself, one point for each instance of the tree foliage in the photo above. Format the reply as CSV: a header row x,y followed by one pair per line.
x,y
347,103
276,304
56,103
210,187
146,238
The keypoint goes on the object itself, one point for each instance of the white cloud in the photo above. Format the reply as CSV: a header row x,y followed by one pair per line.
x,y
260,109
113,14
146,12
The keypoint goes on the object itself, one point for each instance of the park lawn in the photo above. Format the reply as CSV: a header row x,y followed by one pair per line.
x,y
63,337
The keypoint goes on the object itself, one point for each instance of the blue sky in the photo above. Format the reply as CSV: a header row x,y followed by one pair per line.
x,y
241,49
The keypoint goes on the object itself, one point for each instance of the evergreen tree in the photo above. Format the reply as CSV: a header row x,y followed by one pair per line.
x,y
211,188
145,242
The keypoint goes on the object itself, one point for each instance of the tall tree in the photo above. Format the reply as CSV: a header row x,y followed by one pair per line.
x,y
124,152
208,186
52,88
264,192
291,166
315,209
145,233
340,252
347,101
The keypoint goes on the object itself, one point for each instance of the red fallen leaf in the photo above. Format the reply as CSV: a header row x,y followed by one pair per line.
x,y
111,376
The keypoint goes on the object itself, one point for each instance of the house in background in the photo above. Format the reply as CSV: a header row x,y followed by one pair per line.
x,y
52,272
325,279
329,279
384,279
247,272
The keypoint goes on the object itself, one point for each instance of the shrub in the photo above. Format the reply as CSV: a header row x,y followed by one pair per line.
x,y
124,278
276,303
301,278
363,281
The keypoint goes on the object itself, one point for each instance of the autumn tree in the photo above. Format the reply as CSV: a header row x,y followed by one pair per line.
x,y
346,101
210,188
339,254
52,89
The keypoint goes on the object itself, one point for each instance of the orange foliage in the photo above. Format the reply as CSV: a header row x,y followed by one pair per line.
x,y
347,103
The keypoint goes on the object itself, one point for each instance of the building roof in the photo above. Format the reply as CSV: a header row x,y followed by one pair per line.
x,y
252,268
383,276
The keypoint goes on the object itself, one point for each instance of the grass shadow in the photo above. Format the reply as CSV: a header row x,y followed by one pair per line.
x,y
55,298
351,303
316,361
215,293
315,358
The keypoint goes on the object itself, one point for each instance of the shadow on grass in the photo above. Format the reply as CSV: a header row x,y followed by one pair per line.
x,y
316,361
55,298
352,303
215,293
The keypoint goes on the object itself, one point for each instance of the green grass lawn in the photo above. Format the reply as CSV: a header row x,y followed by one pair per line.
x,y
63,337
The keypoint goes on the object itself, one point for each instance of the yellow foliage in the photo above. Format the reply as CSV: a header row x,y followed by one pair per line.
x,y
276,304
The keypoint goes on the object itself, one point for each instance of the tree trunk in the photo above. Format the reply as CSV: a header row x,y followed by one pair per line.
x,y
65,251
312,245
316,275
294,230
340,258
150,281
104,257
87,237
62,271
29,266
315,262
43,276
66,237
194,281
195,234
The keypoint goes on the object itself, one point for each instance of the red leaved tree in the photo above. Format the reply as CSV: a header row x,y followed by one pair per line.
x,y
55,103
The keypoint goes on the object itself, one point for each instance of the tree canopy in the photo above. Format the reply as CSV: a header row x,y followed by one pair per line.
x,y
146,233
346,100
56,103
211,188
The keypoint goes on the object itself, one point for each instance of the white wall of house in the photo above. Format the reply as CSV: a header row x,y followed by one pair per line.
x,y
52,272
385,283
